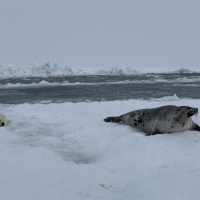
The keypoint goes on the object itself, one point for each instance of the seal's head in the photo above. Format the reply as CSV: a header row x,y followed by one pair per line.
x,y
3,120
188,111
192,111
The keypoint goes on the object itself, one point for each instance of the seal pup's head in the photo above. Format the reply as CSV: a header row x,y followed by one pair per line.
x,y
3,120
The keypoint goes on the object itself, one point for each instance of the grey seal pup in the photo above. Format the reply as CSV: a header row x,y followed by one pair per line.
x,y
164,119
3,120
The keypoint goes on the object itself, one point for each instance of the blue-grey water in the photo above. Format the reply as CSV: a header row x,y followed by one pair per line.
x,y
99,88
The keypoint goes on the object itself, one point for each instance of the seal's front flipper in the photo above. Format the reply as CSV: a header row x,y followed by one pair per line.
x,y
196,128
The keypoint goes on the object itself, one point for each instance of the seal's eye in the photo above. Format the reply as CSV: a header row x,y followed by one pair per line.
x,y
3,124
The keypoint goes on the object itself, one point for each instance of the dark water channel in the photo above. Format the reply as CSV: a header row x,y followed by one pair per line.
x,y
100,88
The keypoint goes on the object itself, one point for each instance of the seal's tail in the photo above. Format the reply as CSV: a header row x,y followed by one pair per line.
x,y
113,119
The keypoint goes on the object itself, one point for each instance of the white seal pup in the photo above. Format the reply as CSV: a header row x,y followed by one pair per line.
x,y
3,120
165,119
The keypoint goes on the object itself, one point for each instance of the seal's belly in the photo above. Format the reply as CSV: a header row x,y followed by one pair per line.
x,y
160,123
156,126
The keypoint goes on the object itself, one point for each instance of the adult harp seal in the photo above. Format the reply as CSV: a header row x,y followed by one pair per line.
x,y
164,119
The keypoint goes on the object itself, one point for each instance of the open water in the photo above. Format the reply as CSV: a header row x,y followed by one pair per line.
x,y
98,88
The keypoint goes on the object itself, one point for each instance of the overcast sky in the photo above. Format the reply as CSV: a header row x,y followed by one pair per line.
x,y
101,33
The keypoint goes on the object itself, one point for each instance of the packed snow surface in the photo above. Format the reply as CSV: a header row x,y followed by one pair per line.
x,y
47,69
66,151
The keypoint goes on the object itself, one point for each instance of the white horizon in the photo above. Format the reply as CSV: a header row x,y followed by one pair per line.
x,y
145,34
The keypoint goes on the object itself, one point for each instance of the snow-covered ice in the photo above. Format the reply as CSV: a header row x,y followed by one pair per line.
x,y
66,151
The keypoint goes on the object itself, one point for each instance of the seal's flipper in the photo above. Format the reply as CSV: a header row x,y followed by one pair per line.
x,y
113,119
195,128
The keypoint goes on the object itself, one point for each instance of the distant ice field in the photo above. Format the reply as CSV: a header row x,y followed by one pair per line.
x,y
53,70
